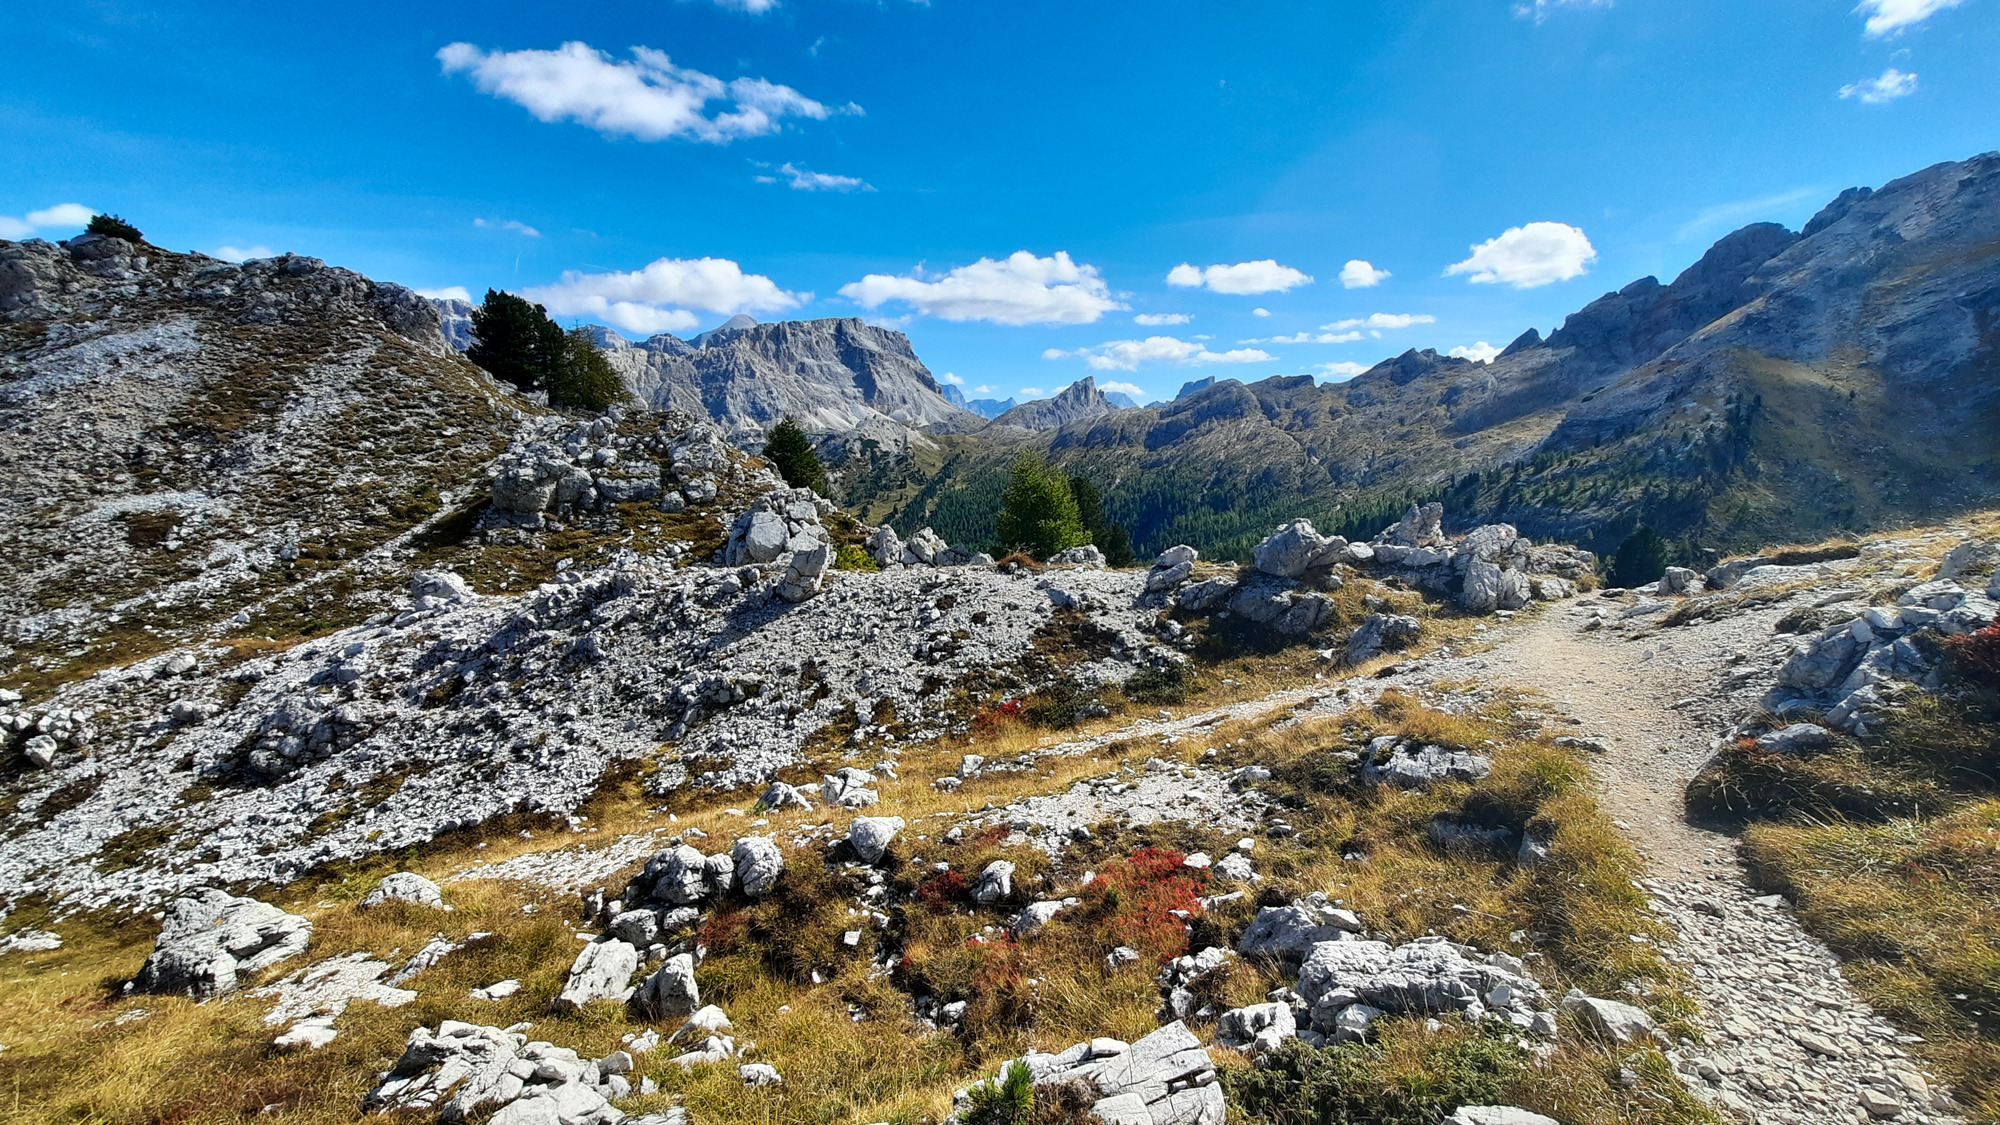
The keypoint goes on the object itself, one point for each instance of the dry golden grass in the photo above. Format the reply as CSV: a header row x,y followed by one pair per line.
x,y
1913,907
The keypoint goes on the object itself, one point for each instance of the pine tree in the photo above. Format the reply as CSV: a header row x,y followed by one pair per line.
x,y
1038,510
585,380
1111,538
515,340
111,226
1642,558
791,452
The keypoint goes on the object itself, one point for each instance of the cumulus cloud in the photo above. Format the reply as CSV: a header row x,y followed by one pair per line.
x,y
1122,388
1155,320
648,98
1892,17
1019,289
1032,392
1481,352
658,298
954,380
1127,355
1260,312
61,215
1241,279
800,179
1529,256
245,253
1345,369
1361,274
446,293
984,389
1379,320
1887,87
1307,338
753,7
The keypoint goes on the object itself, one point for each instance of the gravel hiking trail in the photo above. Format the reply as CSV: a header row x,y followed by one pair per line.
x,y
1789,1041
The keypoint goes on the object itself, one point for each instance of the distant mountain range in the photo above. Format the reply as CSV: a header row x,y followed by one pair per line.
x,y
1786,386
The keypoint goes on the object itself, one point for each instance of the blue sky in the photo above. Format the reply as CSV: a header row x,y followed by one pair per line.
x,y
1013,184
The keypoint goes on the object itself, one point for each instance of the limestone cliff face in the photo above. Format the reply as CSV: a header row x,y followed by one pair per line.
x,y
838,377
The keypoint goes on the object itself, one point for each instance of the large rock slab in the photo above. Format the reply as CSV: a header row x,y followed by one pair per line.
x,y
211,937
602,971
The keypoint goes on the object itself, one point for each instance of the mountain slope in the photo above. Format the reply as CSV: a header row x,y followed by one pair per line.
x,y
1786,386
189,438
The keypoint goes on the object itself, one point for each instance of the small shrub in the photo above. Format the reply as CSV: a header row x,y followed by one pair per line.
x,y
1170,683
1976,656
111,226
1007,1100
1132,902
1409,1079
1059,705
852,557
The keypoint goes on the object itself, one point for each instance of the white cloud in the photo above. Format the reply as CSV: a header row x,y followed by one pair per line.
x,y
1127,355
446,293
1154,320
1241,279
1260,312
1361,274
245,253
61,215
1379,320
1890,17
1892,84
648,98
954,380
984,389
1481,352
753,7
1529,256
1345,369
1122,388
658,297
514,225
800,179
1020,289
1538,10
1307,338
1032,392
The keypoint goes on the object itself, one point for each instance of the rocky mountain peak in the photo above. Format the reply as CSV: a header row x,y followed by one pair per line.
x,y
838,376
1077,402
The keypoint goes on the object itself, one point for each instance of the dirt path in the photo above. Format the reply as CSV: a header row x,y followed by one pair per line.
x,y
1791,1043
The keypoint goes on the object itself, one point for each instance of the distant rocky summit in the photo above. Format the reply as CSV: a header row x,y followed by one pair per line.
x,y
1077,402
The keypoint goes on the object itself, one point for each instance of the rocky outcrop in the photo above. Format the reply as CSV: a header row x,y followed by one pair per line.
x,y
1165,1078
211,938
462,1070
1858,670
